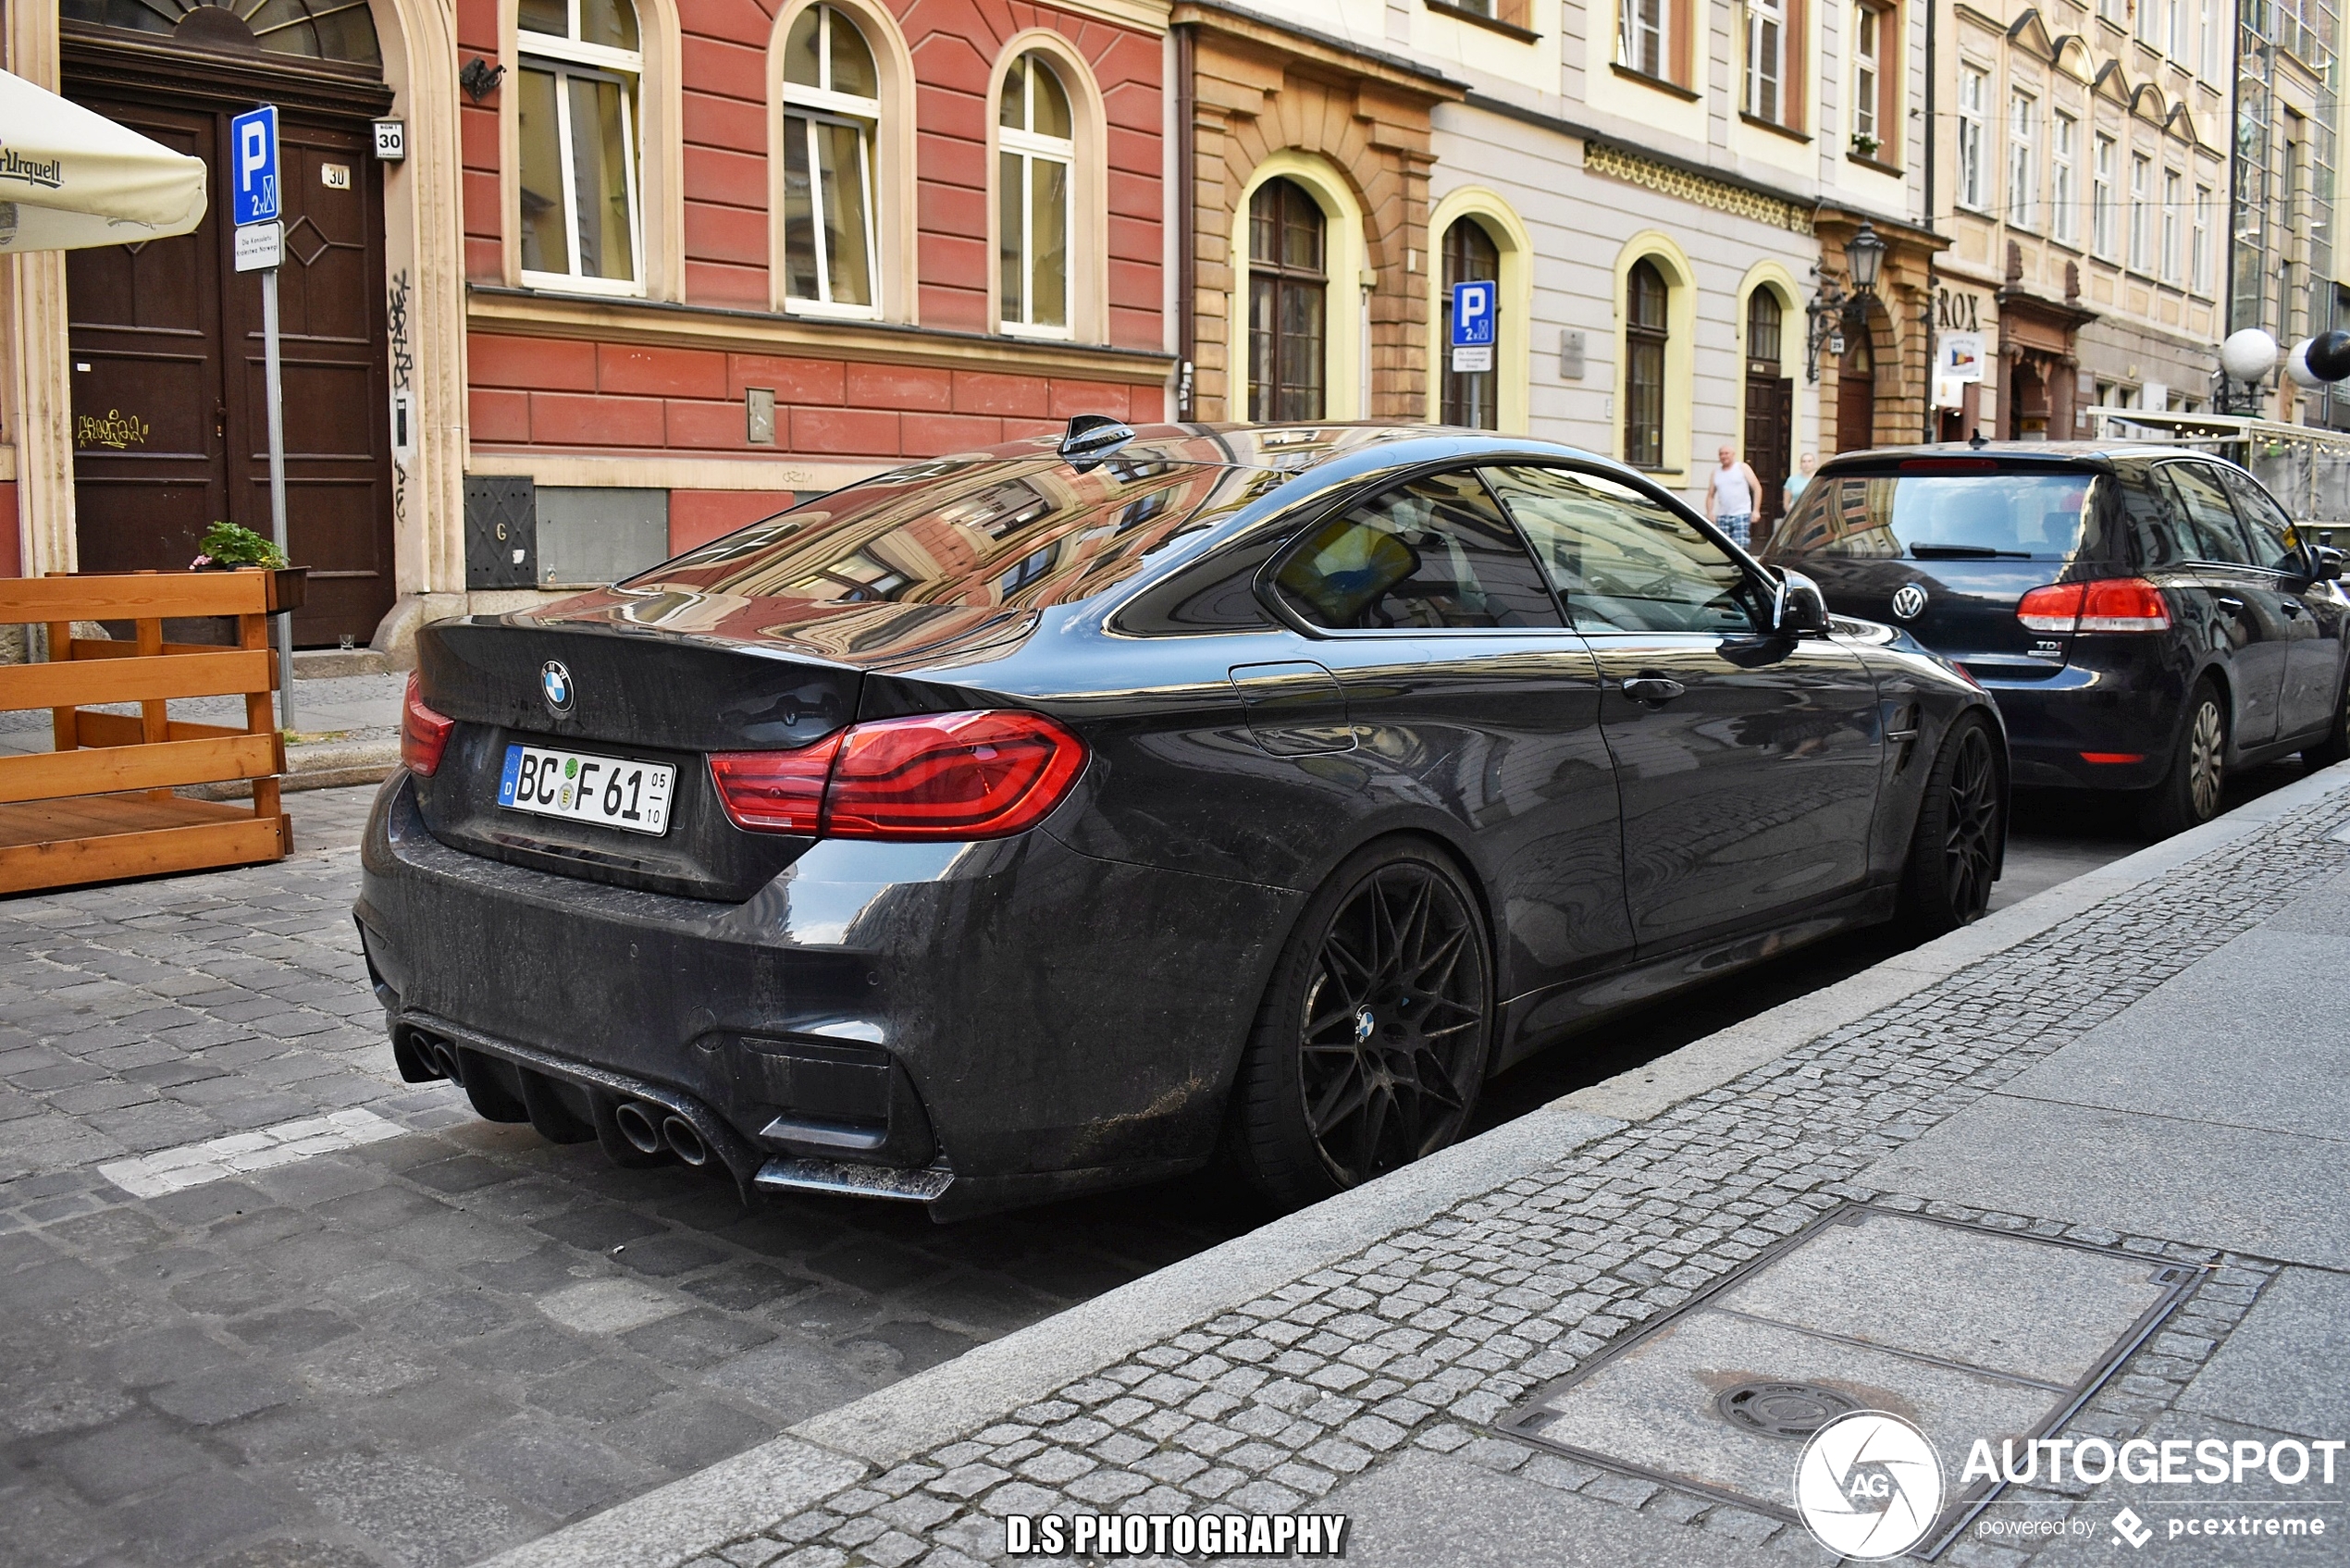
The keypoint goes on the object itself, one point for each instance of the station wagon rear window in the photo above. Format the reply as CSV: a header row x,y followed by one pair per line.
x,y
1920,513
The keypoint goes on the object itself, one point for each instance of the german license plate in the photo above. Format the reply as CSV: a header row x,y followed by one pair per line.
x,y
584,788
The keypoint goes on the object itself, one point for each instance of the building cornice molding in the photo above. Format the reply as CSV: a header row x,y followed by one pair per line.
x,y
527,313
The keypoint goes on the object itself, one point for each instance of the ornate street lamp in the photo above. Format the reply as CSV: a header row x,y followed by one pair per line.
x,y
1832,310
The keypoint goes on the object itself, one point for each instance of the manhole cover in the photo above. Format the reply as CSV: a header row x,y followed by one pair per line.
x,y
1783,1410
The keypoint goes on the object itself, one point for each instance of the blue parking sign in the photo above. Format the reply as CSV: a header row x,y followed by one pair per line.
x,y
1473,315
252,162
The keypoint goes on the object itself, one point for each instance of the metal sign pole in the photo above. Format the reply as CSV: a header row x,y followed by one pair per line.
x,y
274,391
260,247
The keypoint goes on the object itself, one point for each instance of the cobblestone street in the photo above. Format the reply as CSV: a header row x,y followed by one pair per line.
x,y
266,1305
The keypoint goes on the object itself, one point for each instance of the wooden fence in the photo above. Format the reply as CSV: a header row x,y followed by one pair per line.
x,y
100,806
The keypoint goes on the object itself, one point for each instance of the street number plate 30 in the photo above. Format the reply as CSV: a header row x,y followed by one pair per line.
x,y
584,788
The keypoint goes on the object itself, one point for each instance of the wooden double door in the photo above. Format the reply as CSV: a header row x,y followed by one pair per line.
x,y
1770,438
169,403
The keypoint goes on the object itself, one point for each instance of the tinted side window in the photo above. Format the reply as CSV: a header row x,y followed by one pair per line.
x,y
2264,519
1430,554
2212,532
1622,561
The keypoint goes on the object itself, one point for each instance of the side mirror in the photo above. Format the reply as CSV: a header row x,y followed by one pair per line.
x,y
2317,562
1797,607
1091,439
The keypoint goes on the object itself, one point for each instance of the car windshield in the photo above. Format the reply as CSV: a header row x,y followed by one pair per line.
x,y
1931,516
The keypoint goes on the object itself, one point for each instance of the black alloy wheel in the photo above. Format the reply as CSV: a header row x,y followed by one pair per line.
x,y
1371,1045
1962,833
2190,792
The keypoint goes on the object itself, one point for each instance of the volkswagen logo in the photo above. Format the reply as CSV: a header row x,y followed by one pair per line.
x,y
554,684
1909,601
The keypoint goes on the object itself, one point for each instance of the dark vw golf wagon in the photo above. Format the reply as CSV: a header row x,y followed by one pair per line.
x,y
2146,617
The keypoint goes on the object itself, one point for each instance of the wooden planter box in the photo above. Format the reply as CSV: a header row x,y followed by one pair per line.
x,y
101,806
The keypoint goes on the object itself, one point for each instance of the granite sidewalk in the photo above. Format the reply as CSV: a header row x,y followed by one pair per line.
x,y
2070,1173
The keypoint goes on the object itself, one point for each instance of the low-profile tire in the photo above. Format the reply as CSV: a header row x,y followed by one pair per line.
x,y
2189,794
1962,820
1371,1042
2335,748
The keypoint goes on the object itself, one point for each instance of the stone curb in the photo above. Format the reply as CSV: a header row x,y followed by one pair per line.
x,y
740,1495
320,767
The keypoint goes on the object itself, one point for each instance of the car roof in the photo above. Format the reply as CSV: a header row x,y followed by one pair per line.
x,y
1297,445
2068,452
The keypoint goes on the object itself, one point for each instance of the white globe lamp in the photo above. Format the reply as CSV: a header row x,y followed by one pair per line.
x,y
2248,355
2297,364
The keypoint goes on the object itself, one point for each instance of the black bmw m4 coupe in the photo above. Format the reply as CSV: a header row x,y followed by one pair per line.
x,y
1070,814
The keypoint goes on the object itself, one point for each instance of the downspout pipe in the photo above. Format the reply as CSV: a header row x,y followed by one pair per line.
x,y
1186,222
1932,144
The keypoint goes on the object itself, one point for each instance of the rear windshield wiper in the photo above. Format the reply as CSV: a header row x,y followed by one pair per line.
x,y
1966,553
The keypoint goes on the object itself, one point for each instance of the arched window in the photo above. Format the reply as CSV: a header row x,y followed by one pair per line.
x,y
1035,169
1763,317
323,30
832,108
1287,303
576,108
1644,366
1470,256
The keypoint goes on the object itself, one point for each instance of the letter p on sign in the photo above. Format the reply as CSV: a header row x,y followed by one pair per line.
x,y
253,136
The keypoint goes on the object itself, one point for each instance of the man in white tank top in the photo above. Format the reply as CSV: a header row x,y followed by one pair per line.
x,y
1732,499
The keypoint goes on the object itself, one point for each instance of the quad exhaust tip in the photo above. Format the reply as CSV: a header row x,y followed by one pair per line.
x,y
638,1126
684,1142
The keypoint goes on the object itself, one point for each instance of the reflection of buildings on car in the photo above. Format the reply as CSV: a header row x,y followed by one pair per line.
x,y
645,272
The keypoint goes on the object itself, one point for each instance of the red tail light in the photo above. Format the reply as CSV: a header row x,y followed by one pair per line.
x,y
2109,604
775,791
937,776
424,734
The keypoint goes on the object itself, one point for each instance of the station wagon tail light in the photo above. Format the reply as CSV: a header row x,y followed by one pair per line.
x,y
2109,604
935,776
424,733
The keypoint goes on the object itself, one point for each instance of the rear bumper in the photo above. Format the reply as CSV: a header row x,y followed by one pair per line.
x,y
972,1025
2115,696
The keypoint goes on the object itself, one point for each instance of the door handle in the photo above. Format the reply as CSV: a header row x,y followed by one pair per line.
x,y
2290,606
2233,606
1653,689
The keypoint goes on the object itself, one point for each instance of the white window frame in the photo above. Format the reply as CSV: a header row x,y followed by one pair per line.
x,y
2141,206
2101,214
2064,179
2023,158
2174,182
818,105
1974,88
1635,29
1032,148
1766,59
2176,41
2199,242
545,51
1868,84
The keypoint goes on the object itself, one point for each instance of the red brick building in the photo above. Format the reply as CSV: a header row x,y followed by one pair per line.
x,y
647,269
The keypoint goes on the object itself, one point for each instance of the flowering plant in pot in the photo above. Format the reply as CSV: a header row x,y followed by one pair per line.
x,y
226,547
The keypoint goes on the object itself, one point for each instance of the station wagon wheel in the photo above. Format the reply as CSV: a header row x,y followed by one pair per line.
x,y
1372,1043
2192,787
1962,831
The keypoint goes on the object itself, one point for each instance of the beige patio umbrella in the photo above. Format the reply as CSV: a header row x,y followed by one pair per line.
x,y
71,179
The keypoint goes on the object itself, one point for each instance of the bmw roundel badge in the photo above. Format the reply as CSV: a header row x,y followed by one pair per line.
x,y
554,684
1909,603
